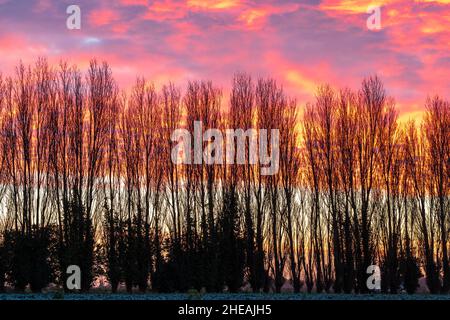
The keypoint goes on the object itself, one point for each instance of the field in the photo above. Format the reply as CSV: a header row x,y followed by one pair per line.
x,y
230,297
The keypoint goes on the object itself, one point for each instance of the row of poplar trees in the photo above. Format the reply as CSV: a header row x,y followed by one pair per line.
x,y
87,179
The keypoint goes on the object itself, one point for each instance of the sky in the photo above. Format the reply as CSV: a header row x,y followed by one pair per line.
x,y
302,44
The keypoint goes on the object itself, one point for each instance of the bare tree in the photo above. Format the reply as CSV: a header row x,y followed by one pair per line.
x,y
437,133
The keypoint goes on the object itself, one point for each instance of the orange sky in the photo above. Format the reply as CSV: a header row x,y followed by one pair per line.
x,y
301,43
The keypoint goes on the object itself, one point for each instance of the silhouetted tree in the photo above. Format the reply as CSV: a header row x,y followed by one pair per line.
x,y
87,179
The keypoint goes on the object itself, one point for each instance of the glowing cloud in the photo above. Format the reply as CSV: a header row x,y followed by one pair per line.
x,y
213,4
301,44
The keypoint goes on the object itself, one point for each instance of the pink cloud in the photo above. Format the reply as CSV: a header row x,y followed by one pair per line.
x,y
301,45
103,17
